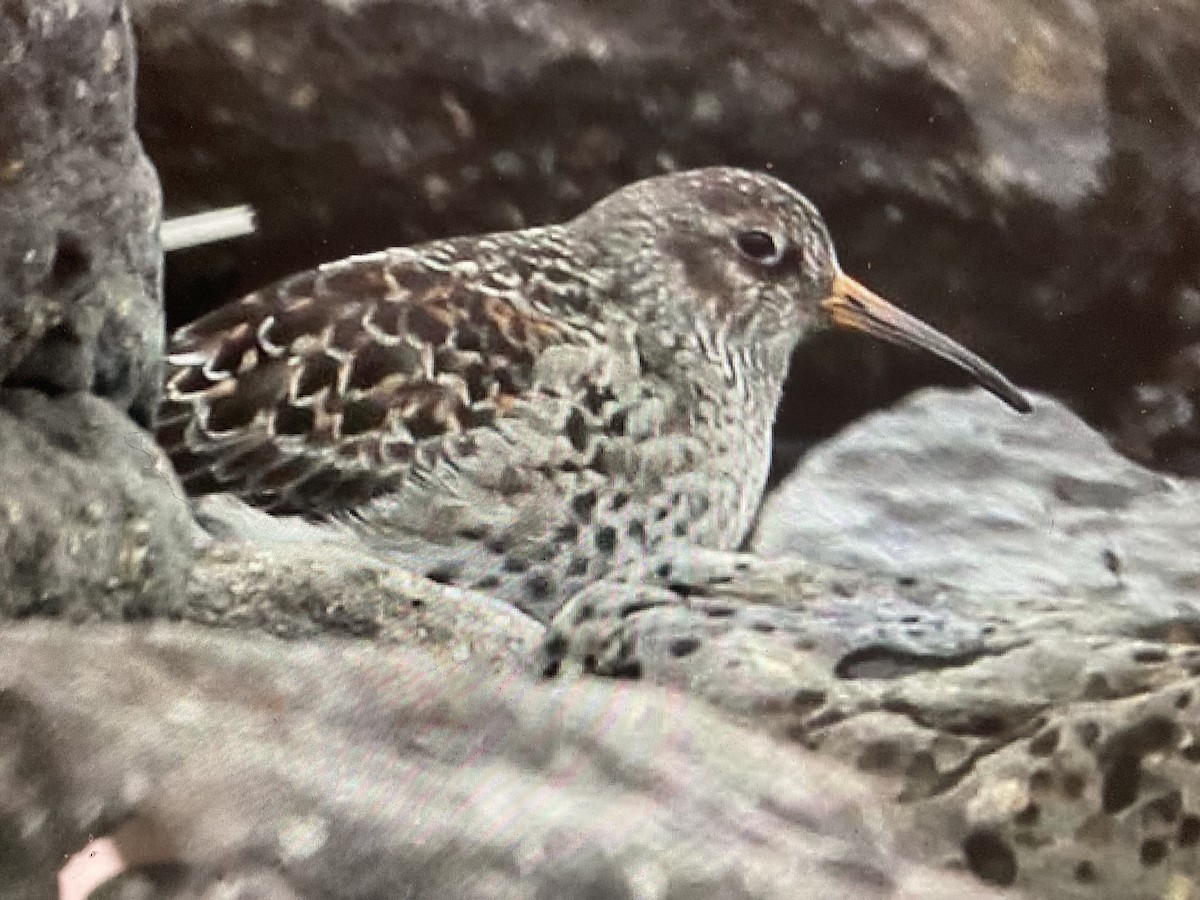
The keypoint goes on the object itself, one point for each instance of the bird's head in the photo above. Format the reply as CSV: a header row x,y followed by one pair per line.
x,y
748,261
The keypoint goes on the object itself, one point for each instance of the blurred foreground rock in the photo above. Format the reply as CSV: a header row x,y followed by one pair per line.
x,y
330,769
92,520
1021,173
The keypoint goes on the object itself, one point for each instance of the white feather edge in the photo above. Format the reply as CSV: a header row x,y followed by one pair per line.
x,y
182,232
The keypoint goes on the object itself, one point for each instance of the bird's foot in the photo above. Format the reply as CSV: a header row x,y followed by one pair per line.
x,y
685,599
588,633
733,622
698,571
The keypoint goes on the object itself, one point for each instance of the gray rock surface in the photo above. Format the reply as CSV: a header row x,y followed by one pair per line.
x,y
947,488
80,265
1022,172
92,520
93,523
1068,759
294,581
250,767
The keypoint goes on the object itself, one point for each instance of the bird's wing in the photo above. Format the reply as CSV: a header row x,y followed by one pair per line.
x,y
327,388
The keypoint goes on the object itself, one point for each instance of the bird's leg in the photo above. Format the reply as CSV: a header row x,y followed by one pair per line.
x,y
597,629
587,630
714,612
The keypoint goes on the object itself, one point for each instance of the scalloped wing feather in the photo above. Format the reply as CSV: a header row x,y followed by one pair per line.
x,y
327,389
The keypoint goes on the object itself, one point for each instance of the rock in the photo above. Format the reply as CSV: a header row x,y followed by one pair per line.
x,y
349,770
1031,725
1051,227
80,266
1157,421
1098,800
286,578
93,524
953,490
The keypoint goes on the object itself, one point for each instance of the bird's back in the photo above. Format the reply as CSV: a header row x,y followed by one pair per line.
x,y
326,389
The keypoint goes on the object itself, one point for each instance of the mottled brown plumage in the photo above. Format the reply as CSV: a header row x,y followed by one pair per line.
x,y
529,412
321,390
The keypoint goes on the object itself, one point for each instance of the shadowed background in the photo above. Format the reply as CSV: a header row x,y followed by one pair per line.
x,y
1021,174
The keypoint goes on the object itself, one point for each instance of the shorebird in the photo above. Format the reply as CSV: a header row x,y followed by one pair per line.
x,y
531,412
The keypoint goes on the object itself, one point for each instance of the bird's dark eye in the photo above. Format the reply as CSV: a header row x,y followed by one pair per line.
x,y
760,246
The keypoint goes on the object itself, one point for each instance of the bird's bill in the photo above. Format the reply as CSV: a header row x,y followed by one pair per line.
x,y
850,305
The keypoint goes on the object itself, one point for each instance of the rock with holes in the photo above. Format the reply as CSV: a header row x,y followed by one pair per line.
x,y
1100,797
437,780
93,523
80,266
1055,762
760,635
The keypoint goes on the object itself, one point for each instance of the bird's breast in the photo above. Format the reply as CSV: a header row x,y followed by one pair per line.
x,y
569,490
